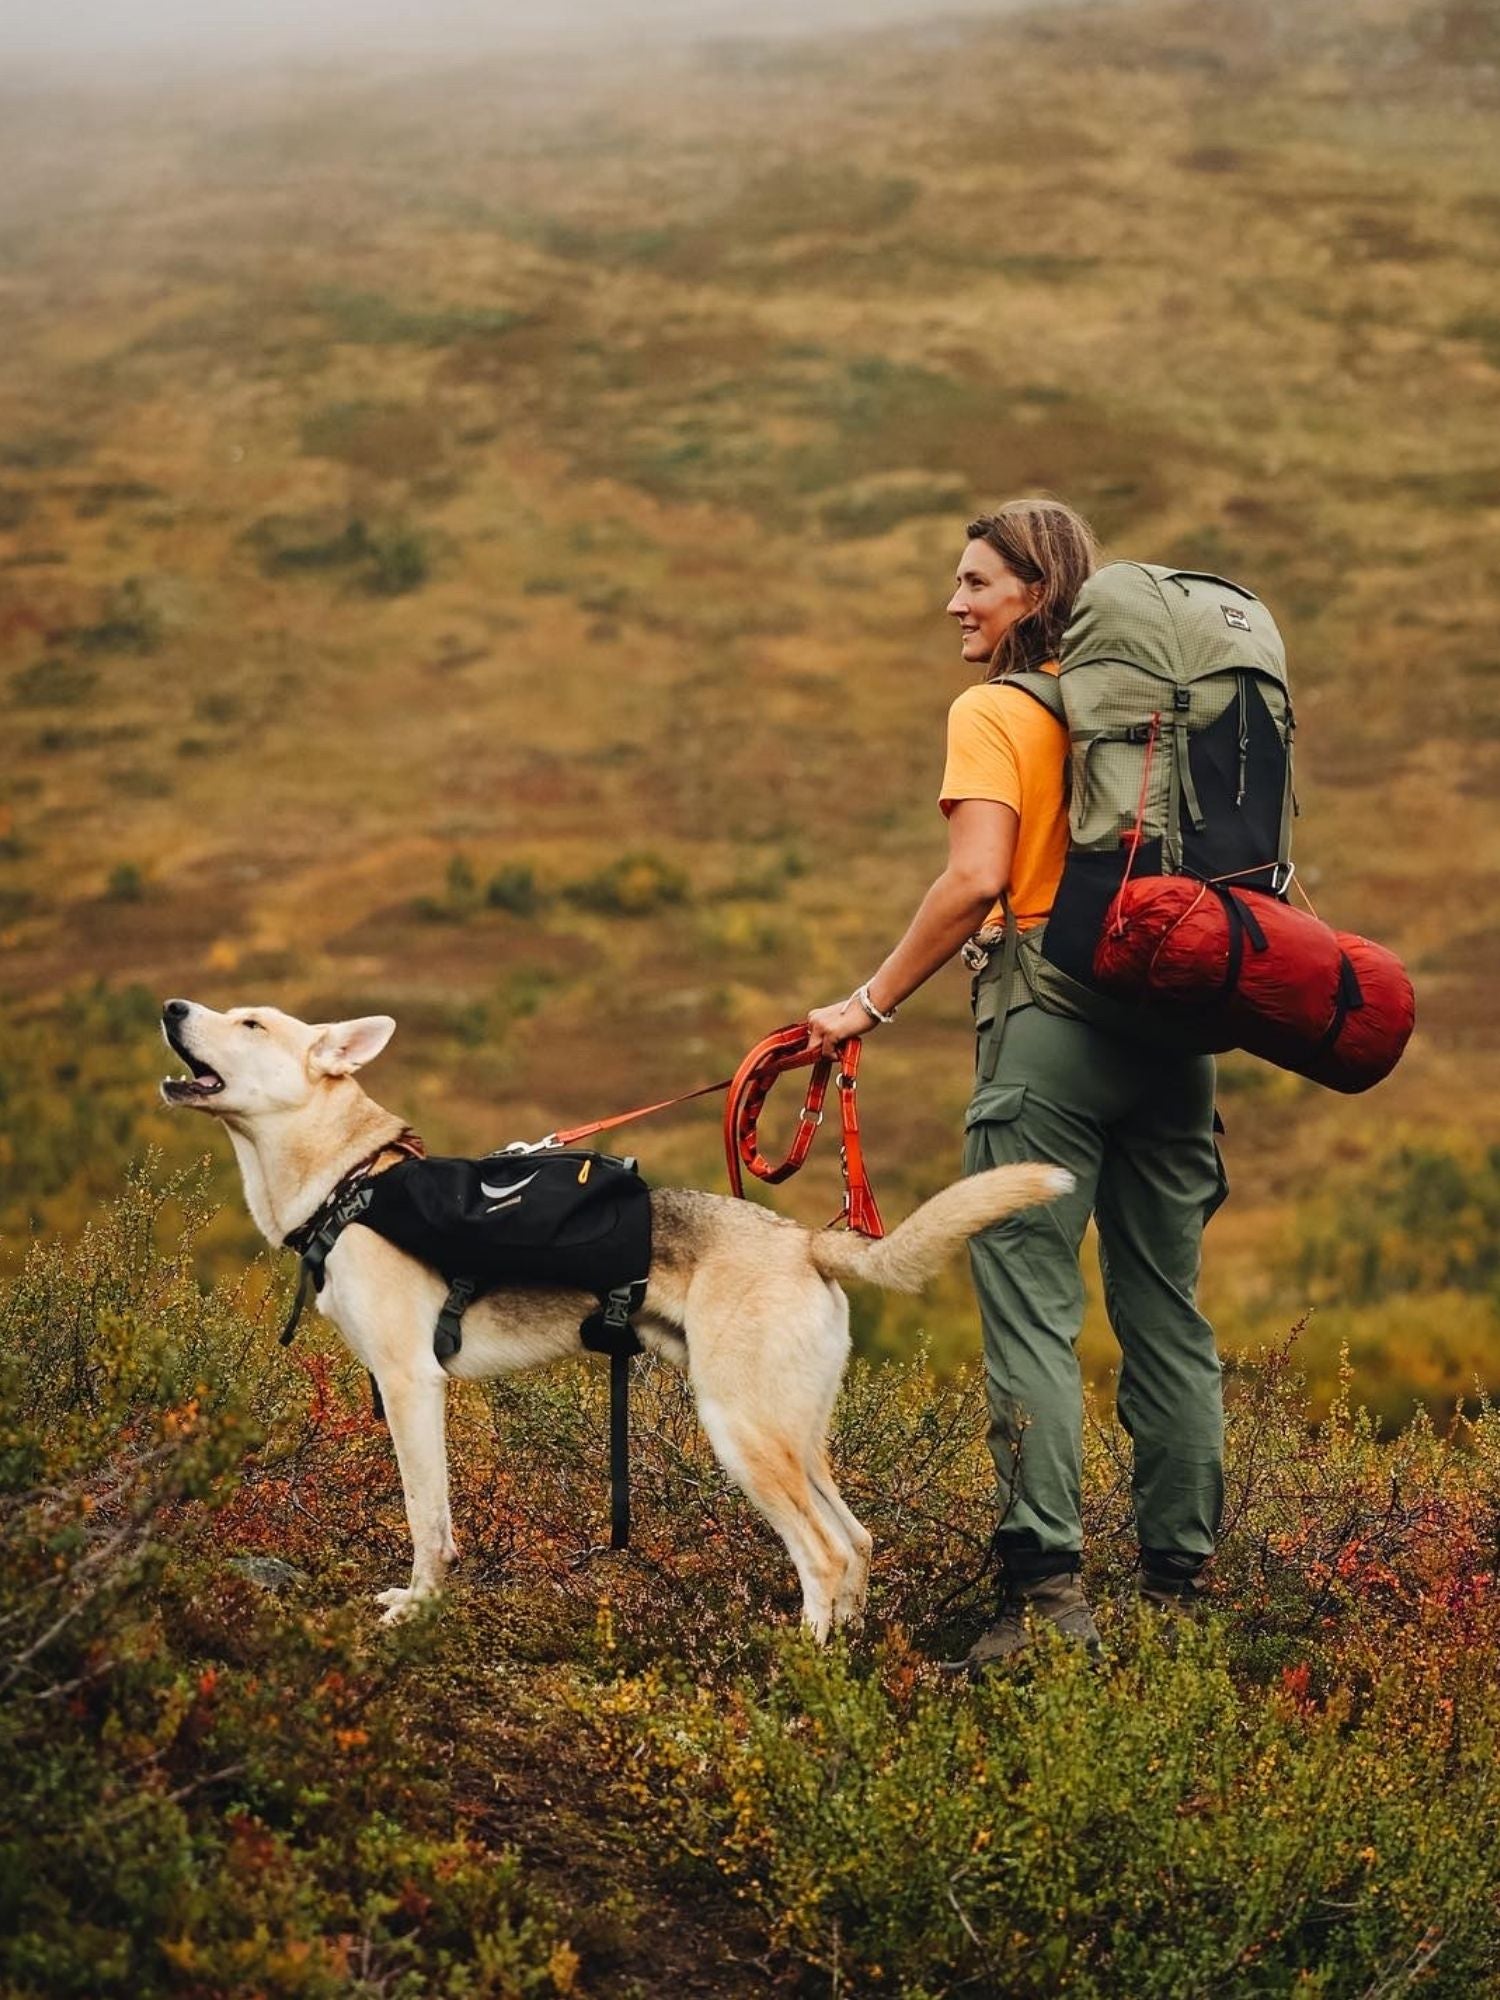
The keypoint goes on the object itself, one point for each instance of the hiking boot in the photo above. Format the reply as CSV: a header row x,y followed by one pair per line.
x,y
1058,1600
1174,1591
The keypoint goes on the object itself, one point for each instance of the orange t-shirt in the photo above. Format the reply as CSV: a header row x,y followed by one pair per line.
x,y
1003,745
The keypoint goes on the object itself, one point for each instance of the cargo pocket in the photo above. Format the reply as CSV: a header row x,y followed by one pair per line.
x,y
992,1136
1221,1189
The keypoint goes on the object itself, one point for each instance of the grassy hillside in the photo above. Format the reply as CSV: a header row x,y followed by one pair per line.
x,y
472,543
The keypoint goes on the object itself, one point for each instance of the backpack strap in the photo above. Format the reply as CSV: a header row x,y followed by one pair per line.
x,y
1003,982
1288,800
1045,688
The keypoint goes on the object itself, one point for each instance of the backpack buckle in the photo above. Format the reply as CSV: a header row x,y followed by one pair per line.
x,y
1182,698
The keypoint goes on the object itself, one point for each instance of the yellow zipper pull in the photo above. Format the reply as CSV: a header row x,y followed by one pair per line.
x,y
583,1171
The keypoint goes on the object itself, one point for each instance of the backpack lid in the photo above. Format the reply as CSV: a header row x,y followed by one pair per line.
x,y
1177,624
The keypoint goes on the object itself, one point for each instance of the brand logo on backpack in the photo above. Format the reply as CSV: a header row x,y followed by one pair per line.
x,y
1236,619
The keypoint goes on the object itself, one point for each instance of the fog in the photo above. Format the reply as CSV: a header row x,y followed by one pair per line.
x,y
195,32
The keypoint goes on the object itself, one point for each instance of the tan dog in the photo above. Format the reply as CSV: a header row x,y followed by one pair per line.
x,y
744,1301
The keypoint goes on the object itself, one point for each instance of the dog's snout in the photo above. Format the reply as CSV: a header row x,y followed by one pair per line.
x,y
176,1010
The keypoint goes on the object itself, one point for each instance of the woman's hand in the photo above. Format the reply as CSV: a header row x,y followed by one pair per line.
x,y
828,1026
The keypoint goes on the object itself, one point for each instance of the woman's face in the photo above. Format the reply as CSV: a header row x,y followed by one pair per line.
x,y
990,598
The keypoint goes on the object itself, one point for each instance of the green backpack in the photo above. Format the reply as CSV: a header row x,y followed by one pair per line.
x,y
1173,686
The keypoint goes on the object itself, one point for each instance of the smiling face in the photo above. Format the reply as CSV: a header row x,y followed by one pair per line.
x,y
989,600
255,1060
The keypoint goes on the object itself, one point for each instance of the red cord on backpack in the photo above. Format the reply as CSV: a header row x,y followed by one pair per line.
x,y
1133,839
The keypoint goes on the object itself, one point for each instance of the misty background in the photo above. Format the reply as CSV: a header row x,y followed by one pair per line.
x,y
262,30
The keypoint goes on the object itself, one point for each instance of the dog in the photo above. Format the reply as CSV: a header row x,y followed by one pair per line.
x,y
746,1303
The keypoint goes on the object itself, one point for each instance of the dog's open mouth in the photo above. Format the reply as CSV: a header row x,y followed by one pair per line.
x,y
204,1081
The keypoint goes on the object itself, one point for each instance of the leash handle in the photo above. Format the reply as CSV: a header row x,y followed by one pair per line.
x,y
787,1049
782,1050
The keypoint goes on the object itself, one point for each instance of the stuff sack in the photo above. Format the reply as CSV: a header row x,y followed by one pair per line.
x,y
1241,970
570,1219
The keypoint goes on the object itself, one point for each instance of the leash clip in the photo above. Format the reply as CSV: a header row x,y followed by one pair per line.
x,y
520,1148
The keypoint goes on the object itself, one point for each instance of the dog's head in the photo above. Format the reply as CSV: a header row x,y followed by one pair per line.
x,y
254,1060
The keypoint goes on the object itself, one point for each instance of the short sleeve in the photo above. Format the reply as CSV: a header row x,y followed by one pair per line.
x,y
982,762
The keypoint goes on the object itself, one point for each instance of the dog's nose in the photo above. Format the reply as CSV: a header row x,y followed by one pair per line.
x,y
176,1010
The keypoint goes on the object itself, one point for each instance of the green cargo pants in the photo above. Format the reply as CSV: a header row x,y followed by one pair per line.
x,y
1135,1127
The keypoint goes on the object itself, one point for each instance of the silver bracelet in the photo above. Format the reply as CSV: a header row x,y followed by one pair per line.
x,y
862,995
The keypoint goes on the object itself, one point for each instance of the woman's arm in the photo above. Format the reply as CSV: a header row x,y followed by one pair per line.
x,y
981,847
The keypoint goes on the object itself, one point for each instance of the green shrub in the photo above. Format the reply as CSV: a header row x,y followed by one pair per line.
x,y
295,545
1151,1829
53,683
42,451
1427,1219
369,319
398,561
634,885
130,624
514,888
207,1790
460,897
126,883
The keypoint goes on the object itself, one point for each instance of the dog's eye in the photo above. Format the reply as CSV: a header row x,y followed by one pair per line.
x,y
254,1024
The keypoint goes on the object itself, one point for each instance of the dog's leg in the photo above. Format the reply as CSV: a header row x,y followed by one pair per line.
x,y
832,1353
767,1465
849,1598
415,1408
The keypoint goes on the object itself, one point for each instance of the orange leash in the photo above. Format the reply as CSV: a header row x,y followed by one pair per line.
x,y
784,1050
748,1090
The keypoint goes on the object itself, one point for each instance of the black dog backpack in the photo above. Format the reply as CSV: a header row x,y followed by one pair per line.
x,y
575,1220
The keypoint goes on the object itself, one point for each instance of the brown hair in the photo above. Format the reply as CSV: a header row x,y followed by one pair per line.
x,y
1042,542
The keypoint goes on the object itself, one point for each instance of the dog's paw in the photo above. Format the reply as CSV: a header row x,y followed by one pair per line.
x,y
401,1604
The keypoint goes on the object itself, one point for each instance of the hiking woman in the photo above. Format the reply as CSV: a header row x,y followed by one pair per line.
x,y
1133,1124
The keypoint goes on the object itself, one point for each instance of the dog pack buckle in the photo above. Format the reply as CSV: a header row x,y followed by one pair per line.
x,y
617,1308
448,1334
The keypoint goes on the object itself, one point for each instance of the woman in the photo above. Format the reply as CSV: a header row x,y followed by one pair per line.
x,y
1134,1124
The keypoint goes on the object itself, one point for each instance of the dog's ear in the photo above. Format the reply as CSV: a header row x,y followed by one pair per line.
x,y
345,1046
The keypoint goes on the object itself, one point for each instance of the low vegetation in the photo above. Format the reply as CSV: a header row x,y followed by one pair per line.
x,y
592,1774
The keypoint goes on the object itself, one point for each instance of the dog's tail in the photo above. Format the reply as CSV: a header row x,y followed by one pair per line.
x,y
916,1249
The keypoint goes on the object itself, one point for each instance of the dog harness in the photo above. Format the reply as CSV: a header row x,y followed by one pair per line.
x,y
575,1221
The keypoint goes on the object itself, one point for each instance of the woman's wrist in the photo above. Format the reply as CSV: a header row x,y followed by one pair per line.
x,y
880,1017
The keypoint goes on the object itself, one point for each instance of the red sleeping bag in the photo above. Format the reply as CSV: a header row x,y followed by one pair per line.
x,y
1246,971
